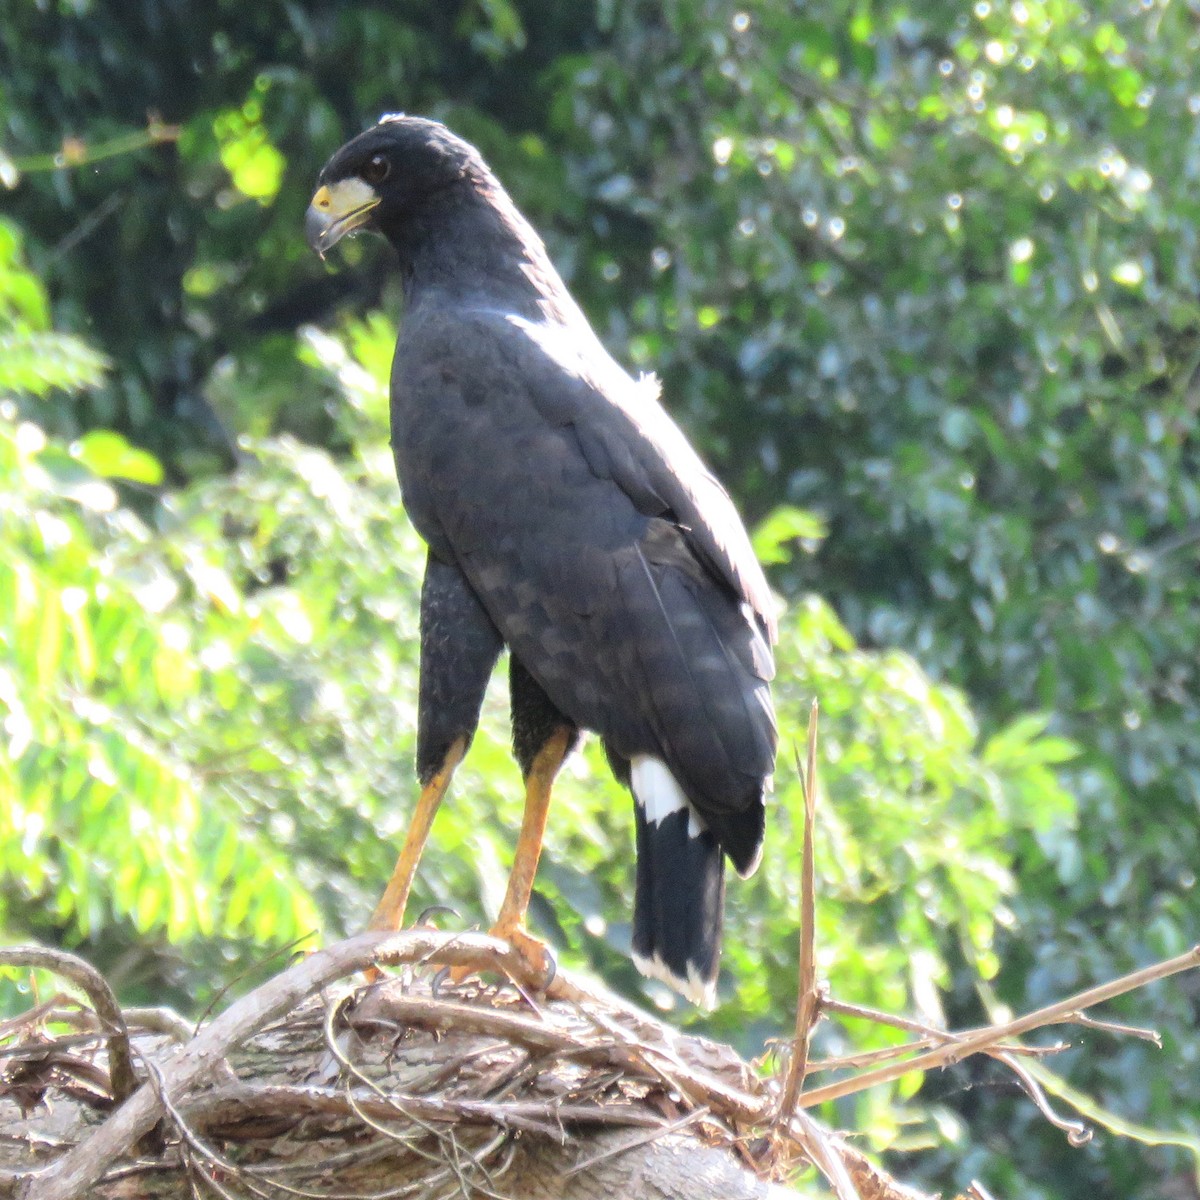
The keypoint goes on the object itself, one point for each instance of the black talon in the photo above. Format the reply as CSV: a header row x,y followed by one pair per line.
x,y
434,910
551,970
435,984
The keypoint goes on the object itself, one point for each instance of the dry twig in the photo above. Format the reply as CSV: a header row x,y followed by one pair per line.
x,y
1078,1134
979,1040
815,1142
1006,1053
1119,1030
808,999
84,976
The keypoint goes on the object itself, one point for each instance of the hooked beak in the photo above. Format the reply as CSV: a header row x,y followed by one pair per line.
x,y
337,210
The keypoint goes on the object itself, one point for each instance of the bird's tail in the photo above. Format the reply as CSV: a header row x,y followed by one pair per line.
x,y
678,910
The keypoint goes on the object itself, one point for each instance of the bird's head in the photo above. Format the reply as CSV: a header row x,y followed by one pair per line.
x,y
378,179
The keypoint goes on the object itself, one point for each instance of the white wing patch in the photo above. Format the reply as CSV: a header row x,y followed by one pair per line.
x,y
658,793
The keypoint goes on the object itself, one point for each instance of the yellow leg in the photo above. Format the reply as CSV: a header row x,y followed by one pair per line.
x,y
389,912
538,784
510,922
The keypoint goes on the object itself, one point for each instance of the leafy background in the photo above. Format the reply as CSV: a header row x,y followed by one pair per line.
x,y
921,281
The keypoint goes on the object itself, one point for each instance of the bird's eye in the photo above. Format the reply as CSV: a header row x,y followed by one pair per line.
x,y
377,170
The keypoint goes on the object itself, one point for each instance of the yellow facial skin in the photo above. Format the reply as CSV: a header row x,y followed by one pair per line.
x,y
336,210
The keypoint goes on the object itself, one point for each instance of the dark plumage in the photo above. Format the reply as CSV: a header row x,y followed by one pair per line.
x,y
568,519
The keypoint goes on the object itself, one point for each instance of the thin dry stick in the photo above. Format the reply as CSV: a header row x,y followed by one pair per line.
x,y
982,1039
638,1139
1006,1053
930,1035
227,987
47,1010
808,1000
1078,1134
845,1008
122,1081
815,1142
819,1148
701,1087
1119,1030
977,1191
441,1014
141,1020
870,1058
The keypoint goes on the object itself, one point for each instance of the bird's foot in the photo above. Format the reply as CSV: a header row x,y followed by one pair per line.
x,y
538,963
536,966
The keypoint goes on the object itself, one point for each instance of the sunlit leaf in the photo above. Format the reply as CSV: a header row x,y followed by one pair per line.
x,y
111,455
785,525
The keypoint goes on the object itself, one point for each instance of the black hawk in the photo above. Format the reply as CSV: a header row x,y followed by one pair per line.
x,y
569,520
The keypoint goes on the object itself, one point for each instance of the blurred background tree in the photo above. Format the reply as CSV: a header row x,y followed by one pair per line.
x,y
921,281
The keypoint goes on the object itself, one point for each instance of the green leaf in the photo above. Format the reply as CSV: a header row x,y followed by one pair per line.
x,y
784,525
110,454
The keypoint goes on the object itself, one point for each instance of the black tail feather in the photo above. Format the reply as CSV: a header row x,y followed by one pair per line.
x,y
678,910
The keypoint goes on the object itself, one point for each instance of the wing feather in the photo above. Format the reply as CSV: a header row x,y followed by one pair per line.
x,y
627,436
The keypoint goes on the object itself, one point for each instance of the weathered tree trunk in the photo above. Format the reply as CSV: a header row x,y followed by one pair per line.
x,y
315,1087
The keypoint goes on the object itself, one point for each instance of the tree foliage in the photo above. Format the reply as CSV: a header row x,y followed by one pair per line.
x,y
921,281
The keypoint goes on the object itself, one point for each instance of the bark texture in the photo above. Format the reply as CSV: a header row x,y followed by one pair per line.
x,y
317,1085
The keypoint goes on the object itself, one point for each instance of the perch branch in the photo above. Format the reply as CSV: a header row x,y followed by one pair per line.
x,y
618,1047
239,1102
76,1171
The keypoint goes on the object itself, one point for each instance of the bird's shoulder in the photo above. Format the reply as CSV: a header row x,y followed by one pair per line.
x,y
562,375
